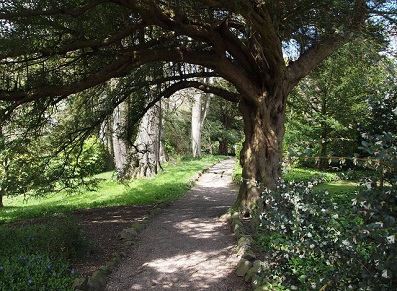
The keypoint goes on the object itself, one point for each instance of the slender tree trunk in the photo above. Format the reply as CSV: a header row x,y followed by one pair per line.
x,y
2,191
261,154
163,150
323,135
196,125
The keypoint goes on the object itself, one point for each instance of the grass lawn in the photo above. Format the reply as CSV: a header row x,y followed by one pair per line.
x,y
170,184
341,192
341,186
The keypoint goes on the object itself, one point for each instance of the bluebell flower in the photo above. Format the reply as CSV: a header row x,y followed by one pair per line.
x,y
30,281
1,268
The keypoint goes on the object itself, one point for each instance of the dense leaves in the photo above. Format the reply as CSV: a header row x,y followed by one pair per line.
x,y
314,242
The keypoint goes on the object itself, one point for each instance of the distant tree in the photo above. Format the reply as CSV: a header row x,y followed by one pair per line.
x,y
50,50
329,104
200,108
224,125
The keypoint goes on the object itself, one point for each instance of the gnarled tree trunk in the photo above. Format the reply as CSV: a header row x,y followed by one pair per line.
x,y
261,154
145,153
120,143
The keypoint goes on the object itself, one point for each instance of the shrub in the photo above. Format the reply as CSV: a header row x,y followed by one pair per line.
x,y
34,272
315,243
58,238
35,257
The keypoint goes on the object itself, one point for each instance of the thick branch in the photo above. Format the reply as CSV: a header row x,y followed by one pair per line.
x,y
311,58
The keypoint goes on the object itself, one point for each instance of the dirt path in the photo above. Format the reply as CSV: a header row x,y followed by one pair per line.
x,y
187,246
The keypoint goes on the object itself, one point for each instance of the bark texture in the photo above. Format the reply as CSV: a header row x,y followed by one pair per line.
x,y
145,152
196,124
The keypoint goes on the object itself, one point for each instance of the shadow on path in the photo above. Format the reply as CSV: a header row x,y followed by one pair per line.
x,y
187,246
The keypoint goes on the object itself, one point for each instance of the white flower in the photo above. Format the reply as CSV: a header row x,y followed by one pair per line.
x,y
386,274
346,243
335,216
391,239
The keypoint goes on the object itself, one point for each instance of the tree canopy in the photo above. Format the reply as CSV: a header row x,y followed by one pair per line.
x,y
50,50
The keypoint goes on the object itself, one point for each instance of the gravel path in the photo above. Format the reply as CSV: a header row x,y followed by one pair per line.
x,y
187,246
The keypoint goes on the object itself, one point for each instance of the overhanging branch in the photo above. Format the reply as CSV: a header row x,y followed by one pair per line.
x,y
225,94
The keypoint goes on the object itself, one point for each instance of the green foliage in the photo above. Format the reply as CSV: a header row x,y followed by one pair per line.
x,y
223,126
178,124
60,238
337,241
317,243
328,106
34,272
35,257
33,168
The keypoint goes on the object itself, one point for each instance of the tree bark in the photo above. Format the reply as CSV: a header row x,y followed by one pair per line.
x,y
196,125
119,140
163,151
145,156
223,147
261,155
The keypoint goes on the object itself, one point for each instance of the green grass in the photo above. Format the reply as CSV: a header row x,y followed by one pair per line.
x,y
295,174
341,186
170,184
308,175
341,192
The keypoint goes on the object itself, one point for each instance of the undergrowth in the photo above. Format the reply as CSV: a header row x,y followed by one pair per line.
x,y
37,257
316,242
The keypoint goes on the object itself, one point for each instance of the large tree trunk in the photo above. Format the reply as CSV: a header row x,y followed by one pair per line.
x,y
120,143
145,156
223,147
261,155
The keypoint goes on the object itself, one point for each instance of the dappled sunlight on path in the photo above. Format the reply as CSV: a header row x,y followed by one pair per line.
x,y
187,246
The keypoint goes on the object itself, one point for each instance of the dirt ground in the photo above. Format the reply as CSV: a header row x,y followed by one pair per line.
x,y
102,226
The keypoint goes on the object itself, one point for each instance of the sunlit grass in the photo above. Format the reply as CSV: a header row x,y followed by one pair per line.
x,y
339,186
170,184
341,192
